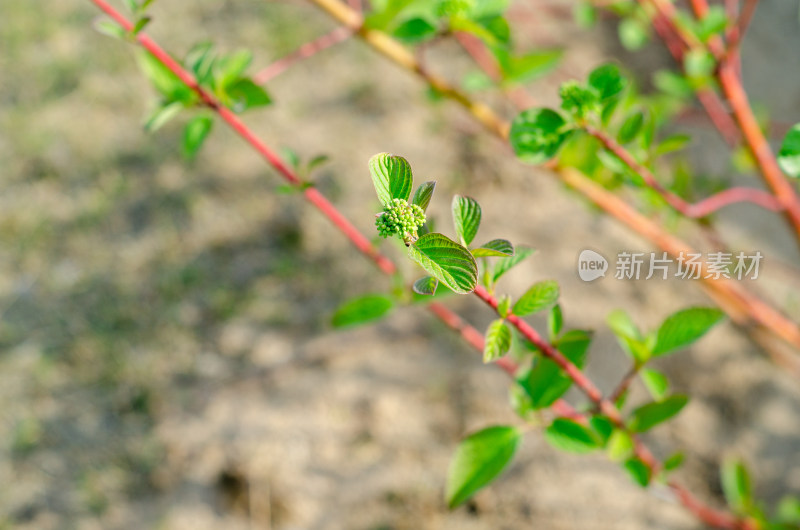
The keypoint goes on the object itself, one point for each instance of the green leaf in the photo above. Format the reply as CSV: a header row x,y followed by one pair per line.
x,y
633,33
466,217
497,341
495,247
391,176
488,8
132,5
503,306
673,143
546,382
109,28
607,80
568,435
789,510
520,69
656,383
648,416
316,162
414,30
631,127
673,462
361,310
537,134
231,68
736,485
638,471
715,21
506,264
447,261
422,197
789,155
585,15
684,327
620,445
603,427
699,63
162,115
673,84
163,79
479,459
140,24
195,133
555,321
541,295
245,94
628,335
426,285
200,60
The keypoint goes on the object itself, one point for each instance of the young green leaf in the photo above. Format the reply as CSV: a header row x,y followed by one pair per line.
x,y
519,69
789,155
495,247
673,462
504,306
140,24
684,327
506,264
447,261
789,511
497,341
109,28
656,383
713,22
541,295
555,321
607,80
231,68
648,416
200,60
164,80
638,471
426,286
619,446
631,127
414,31
673,143
466,217
568,435
162,115
422,197
195,133
603,427
633,33
245,94
628,335
537,134
736,485
479,459
361,310
391,176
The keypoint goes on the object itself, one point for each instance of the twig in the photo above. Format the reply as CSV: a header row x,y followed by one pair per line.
x,y
624,385
700,209
303,52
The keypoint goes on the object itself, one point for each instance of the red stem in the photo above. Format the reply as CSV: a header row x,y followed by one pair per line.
x,y
700,209
303,52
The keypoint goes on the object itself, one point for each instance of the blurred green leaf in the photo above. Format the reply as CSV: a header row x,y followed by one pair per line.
x,y
607,80
568,435
672,143
361,310
736,485
109,28
713,22
245,94
631,127
633,33
656,383
648,416
789,511
140,24
164,80
537,134
195,133
478,460
520,69
414,31
162,115
638,471
426,285
789,155
673,462
628,335
506,264
685,327
555,321
620,446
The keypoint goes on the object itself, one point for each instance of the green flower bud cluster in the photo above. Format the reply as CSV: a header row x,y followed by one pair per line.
x,y
402,219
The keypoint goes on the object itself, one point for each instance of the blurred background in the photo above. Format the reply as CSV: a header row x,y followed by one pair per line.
x,y
167,355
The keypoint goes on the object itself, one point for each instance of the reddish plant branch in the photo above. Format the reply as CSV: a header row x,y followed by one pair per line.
x,y
699,209
303,52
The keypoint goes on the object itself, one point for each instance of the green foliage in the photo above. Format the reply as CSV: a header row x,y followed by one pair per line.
x,y
638,471
497,341
571,436
631,127
426,285
537,134
194,133
608,81
391,176
713,23
685,327
171,88
466,218
361,310
673,462
494,248
648,416
789,511
506,264
789,154
478,460
518,69
542,295
423,194
629,336
736,485
447,261
656,383
545,382
555,321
